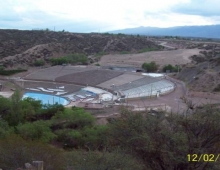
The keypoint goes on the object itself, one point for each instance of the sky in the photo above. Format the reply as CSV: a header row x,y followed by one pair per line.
x,y
106,15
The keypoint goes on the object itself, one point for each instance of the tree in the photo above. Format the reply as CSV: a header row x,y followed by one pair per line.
x,y
150,67
163,142
38,130
5,106
29,109
14,116
75,118
5,129
17,111
170,68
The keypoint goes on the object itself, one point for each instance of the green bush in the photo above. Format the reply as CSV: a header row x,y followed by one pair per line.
x,y
38,63
39,130
150,67
5,129
2,67
10,72
70,59
59,61
75,118
171,68
163,141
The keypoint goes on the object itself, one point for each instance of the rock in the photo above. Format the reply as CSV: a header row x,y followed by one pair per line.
x,y
28,166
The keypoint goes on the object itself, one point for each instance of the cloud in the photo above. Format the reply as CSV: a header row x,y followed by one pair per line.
x,y
105,15
206,8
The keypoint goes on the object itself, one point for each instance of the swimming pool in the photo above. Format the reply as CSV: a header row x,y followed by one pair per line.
x,y
46,98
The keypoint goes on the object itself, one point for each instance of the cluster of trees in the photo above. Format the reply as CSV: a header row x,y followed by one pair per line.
x,y
171,68
150,67
70,59
159,141
153,67
71,128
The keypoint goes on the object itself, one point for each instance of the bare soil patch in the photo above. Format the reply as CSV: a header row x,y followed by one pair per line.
x,y
180,56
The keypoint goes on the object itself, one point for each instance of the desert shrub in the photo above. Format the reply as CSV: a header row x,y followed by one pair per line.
x,y
171,68
10,72
2,67
75,129
75,118
48,111
95,160
58,61
217,88
150,67
5,129
15,152
38,130
77,58
164,141
39,63
71,59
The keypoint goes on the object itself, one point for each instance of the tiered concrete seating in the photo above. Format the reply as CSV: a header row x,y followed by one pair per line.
x,y
152,89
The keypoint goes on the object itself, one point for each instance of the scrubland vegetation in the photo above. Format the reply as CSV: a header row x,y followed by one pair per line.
x,y
5,72
70,59
69,138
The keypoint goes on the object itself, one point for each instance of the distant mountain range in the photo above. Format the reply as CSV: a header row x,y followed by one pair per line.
x,y
207,31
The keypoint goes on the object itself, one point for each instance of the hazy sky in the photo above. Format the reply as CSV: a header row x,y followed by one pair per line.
x,y
105,15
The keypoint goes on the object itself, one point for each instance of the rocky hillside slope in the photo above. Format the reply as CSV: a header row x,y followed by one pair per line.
x,y
204,72
24,47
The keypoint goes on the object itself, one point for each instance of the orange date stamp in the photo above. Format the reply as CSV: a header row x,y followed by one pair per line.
x,y
203,157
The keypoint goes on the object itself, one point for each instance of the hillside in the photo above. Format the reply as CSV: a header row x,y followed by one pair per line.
x,y
208,31
24,47
204,72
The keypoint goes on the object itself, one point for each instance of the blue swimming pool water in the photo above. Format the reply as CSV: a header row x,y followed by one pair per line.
x,y
46,98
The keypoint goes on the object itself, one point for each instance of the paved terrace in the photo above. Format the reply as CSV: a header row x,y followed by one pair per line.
x,y
52,73
91,78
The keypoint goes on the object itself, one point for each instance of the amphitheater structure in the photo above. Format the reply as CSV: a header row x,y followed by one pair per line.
x,y
95,84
